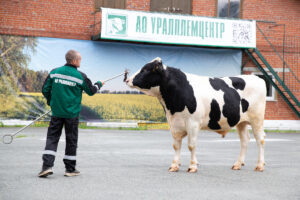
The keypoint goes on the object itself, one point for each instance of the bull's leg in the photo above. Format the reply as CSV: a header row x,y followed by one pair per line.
x,y
244,139
192,142
177,147
259,135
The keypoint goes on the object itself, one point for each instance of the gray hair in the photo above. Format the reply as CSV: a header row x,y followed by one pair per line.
x,y
72,55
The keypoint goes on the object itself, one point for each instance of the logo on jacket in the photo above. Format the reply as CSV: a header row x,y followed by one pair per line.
x,y
64,82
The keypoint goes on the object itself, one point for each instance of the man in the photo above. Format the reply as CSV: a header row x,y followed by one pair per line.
x,y
63,90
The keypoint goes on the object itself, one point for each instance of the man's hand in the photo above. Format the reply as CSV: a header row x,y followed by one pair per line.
x,y
99,84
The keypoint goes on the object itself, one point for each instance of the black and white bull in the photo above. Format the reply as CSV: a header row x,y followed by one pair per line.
x,y
193,102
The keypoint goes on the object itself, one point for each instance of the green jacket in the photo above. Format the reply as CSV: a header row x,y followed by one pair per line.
x,y
63,90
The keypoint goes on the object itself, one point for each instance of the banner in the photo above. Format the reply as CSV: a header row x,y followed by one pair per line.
x,y
177,29
25,62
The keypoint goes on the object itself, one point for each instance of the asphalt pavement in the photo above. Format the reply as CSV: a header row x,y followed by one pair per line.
x,y
119,164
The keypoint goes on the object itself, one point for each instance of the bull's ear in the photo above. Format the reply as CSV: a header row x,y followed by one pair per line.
x,y
157,61
158,66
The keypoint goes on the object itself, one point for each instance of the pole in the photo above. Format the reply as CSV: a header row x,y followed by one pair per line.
x,y
11,136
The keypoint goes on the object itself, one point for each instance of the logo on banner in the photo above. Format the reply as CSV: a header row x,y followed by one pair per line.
x,y
116,25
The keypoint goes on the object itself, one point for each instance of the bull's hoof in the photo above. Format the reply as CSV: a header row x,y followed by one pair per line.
x,y
173,169
259,168
192,170
237,166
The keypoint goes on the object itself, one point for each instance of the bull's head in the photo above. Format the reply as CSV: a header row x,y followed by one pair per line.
x,y
148,78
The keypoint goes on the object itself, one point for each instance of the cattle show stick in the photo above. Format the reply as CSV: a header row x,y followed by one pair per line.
x,y
11,136
124,73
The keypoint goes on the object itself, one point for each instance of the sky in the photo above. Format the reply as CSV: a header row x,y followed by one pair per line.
x,y
102,60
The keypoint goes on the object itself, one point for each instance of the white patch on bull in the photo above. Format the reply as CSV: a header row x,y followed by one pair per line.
x,y
153,91
156,59
177,121
228,82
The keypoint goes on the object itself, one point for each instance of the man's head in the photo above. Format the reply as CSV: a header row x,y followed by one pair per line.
x,y
73,57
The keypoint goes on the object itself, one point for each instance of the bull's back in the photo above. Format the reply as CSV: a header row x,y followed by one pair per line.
x,y
222,103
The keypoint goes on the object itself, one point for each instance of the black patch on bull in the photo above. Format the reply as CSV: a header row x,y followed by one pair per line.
x,y
214,115
245,105
177,92
238,83
232,99
175,89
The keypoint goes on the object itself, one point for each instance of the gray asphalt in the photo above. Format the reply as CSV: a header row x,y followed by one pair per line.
x,y
117,164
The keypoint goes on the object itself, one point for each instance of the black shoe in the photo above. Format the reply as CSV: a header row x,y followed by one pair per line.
x,y
45,172
72,173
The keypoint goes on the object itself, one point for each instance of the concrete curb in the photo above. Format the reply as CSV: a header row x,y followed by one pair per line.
x,y
268,124
113,124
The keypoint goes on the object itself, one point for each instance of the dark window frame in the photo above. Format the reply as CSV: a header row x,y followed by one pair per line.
x,y
172,8
240,15
101,3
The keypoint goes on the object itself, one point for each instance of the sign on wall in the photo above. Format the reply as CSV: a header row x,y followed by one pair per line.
x,y
141,26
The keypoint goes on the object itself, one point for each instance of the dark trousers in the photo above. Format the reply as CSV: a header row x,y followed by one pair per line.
x,y
53,135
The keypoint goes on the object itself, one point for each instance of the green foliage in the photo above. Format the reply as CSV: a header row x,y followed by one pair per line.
x,y
14,60
15,77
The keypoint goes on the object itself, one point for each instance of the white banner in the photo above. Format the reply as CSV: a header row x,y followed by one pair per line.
x,y
177,29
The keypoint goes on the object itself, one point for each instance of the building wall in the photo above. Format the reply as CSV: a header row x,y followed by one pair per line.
x,y
282,12
51,18
74,19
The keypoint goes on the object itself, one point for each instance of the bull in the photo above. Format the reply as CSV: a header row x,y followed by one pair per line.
x,y
193,103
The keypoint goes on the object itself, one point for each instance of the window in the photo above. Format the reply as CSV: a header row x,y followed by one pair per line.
x,y
270,88
121,4
229,8
171,6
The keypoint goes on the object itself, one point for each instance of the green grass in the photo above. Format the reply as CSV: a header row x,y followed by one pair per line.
x,y
281,131
21,136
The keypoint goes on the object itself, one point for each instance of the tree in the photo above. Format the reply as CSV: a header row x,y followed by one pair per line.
x,y
14,74
15,77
